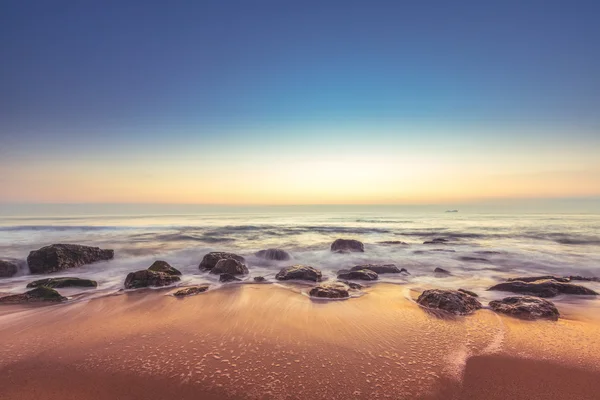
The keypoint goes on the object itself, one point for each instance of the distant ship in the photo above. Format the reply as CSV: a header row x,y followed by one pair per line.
x,y
451,210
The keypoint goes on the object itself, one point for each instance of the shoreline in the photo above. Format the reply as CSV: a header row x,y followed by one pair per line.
x,y
264,341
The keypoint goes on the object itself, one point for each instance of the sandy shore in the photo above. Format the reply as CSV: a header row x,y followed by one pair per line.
x,y
272,342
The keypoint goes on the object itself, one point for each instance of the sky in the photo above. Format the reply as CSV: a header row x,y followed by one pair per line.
x,y
298,102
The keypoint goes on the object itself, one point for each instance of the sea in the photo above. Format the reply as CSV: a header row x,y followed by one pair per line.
x,y
481,248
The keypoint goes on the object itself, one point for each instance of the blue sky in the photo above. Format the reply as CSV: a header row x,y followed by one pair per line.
x,y
125,82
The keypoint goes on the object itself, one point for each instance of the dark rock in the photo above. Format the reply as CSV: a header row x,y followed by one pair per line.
x,y
228,278
362,274
192,290
380,268
450,301
393,242
441,271
330,290
147,278
584,278
474,259
273,254
62,283
229,266
468,292
163,266
301,272
259,279
526,307
352,285
490,252
538,278
436,241
543,288
8,268
58,257
436,250
347,245
40,294
211,259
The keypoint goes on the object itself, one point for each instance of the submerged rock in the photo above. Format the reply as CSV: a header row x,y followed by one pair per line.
x,y
228,278
538,278
526,307
451,301
63,282
229,266
584,278
210,260
474,259
259,279
362,274
465,291
441,271
273,254
8,268
543,288
190,291
436,241
393,242
300,272
380,268
58,257
351,285
40,294
347,245
163,266
330,290
147,278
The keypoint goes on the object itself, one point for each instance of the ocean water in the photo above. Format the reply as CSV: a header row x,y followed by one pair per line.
x,y
482,248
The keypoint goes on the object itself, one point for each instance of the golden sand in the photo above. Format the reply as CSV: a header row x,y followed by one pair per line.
x,y
273,342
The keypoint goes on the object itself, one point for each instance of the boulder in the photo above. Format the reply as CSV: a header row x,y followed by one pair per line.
x,y
450,301
347,245
58,257
273,254
330,290
63,283
380,268
228,278
361,274
538,278
192,290
229,266
163,266
441,271
259,279
543,288
300,272
40,294
465,291
8,268
526,307
210,260
147,278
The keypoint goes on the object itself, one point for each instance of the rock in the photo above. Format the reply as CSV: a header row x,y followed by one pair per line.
x,y
147,278
352,285
436,250
259,279
8,268
347,245
229,266
211,259
543,288
163,266
40,294
330,290
468,292
538,278
451,301
62,283
228,278
190,291
441,271
526,307
300,272
58,257
584,278
436,241
362,274
474,259
393,242
273,254
380,268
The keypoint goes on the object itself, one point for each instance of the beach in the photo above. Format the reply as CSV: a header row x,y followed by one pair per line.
x,y
270,341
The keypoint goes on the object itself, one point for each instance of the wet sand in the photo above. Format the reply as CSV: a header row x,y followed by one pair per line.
x,y
270,342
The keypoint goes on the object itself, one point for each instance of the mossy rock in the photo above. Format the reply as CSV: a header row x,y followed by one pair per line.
x,y
62,283
163,266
